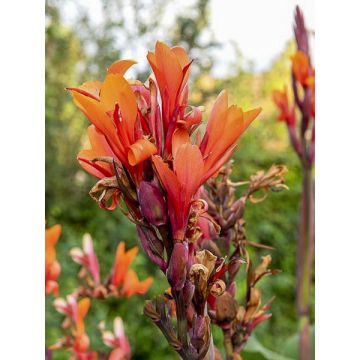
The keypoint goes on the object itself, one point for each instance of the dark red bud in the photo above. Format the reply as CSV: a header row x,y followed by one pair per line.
x,y
152,246
176,272
152,204
198,331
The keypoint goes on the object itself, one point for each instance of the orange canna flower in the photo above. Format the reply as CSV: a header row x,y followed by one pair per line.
x,y
52,266
171,69
130,127
126,278
225,126
111,107
181,184
79,341
301,67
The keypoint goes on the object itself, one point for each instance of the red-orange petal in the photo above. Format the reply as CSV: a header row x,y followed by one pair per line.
x,y
141,150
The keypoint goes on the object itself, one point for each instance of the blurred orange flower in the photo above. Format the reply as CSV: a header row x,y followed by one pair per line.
x,y
52,266
126,278
280,99
301,67
118,341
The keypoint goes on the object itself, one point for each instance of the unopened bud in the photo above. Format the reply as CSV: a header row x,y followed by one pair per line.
x,y
199,331
188,292
176,272
152,204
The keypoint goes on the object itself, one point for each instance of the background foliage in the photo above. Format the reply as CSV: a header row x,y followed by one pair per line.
x,y
81,50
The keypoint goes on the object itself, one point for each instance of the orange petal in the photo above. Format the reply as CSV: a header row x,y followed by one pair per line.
x,y
52,234
167,177
132,285
123,261
89,88
189,168
116,90
97,169
141,150
180,137
97,115
250,116
120,67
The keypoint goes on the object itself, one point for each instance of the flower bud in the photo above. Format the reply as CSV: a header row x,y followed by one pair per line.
x,y
199,331
152,246
176,272
188,292
152,204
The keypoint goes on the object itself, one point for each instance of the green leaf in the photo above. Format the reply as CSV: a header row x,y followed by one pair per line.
x,y
254,350
291,346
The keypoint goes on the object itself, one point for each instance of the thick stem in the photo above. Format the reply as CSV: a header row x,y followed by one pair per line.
x,y
305,259
229,350
182,327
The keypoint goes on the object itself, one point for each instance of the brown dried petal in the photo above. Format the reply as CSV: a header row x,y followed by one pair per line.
x,y
218,288
207,259
253,304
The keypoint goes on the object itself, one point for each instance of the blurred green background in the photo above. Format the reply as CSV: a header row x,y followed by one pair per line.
x,y
80,50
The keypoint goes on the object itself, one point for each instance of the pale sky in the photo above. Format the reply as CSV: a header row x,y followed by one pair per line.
x,y
260,28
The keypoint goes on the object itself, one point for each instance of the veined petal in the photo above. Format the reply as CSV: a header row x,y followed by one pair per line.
x,y
120,67
141,150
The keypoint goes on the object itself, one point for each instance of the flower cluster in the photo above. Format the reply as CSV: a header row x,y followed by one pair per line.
x,y
152,157
148,152
121,281
303,93
237,321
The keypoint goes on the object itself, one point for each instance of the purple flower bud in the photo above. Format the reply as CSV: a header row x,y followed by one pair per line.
x,y
188,292
151,245
199,330
176,272
232,288
152,204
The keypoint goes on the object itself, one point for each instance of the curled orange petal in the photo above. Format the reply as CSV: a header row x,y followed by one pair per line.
x,y
120,66
141,150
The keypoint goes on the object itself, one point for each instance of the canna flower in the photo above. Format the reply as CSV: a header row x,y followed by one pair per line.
x,y
225,126
118,341
301,68
126,278
78,341
111,107
87,258
286,114
193,165
52,266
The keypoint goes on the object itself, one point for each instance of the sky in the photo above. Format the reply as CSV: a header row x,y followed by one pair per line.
x,y
260,28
